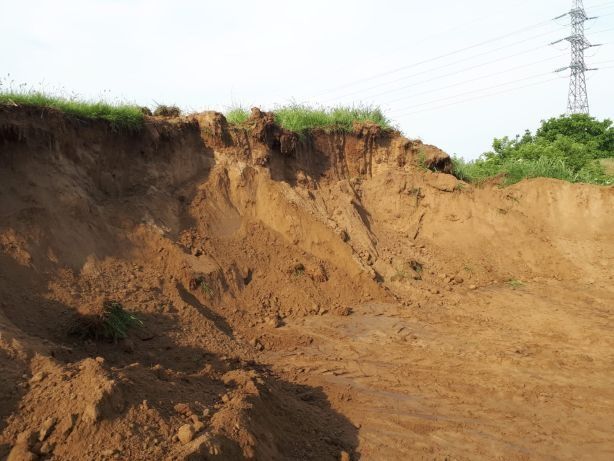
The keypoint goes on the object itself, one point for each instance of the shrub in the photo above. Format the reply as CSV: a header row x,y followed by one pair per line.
x,y
167,111
110,324
571,148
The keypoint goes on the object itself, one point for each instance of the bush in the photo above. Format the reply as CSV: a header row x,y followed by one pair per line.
x,y
167,111
567,148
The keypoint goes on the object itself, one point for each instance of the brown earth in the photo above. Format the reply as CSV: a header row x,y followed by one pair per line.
x,y
302,298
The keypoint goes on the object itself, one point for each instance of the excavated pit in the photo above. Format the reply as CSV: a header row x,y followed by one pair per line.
x,y
323,296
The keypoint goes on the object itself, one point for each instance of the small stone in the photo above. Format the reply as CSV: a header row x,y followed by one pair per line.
x,y
38,377
225,398
206,412
458,279
472,287
99,360
345,456
198,426
183,409
185,433
275,321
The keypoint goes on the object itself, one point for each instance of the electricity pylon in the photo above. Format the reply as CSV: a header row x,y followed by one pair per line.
x,y
577,99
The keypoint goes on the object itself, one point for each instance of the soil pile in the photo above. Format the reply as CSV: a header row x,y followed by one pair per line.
x,y
322,296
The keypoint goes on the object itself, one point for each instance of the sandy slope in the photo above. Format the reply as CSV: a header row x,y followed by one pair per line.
x,y
318,298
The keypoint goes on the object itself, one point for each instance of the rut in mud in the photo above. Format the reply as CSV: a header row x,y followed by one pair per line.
x,y
302,297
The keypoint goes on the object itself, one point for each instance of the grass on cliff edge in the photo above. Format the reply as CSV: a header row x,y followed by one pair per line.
x,y
301,118
120,116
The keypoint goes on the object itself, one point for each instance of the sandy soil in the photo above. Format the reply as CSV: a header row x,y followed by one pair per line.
x,y
302,298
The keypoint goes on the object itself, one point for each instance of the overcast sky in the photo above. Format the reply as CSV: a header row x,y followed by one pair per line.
x,y
455,74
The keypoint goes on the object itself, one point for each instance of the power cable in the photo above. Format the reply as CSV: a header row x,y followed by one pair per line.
x,y
481,77
448,65
441,56
476,91
478,97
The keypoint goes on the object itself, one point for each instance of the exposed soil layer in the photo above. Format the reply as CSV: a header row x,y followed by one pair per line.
x,y
302,298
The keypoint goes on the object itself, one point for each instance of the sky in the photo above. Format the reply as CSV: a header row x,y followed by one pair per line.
x,y
454,74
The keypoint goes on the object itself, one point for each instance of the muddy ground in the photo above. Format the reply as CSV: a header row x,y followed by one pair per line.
x,y
302,297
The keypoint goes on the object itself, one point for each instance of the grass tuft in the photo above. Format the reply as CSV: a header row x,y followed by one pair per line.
x,y
120,116
237,115
110,324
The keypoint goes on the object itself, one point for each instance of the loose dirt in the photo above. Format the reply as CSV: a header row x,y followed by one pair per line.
x,y
302,297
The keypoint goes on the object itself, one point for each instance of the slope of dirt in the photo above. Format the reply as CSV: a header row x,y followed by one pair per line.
x,y
318,297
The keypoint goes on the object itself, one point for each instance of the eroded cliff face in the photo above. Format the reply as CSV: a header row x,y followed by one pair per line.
x,y
230,243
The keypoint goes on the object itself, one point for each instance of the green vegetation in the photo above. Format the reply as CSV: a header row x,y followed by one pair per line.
x,y
120,116
302,118
237,115
111,324
573,148
515,283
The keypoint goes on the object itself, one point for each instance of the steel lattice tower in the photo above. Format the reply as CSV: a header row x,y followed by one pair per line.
x,y
577,99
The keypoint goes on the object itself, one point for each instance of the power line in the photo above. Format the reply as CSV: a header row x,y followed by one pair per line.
x,y
451,53
470,80
476,91
477,97
447,65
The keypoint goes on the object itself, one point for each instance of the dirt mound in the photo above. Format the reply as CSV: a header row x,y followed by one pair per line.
x,y
286,285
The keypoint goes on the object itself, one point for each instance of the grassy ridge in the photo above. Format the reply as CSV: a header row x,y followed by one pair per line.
x,y
120,116
301,118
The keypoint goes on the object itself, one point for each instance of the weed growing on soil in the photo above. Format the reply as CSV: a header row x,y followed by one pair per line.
x,y
237,115
111,324
515,283
302,118
120,116
299,270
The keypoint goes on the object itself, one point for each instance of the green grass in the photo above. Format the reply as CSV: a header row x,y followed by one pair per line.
x,y
120,116
237,115
110,324
515,283
302,118
515,170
